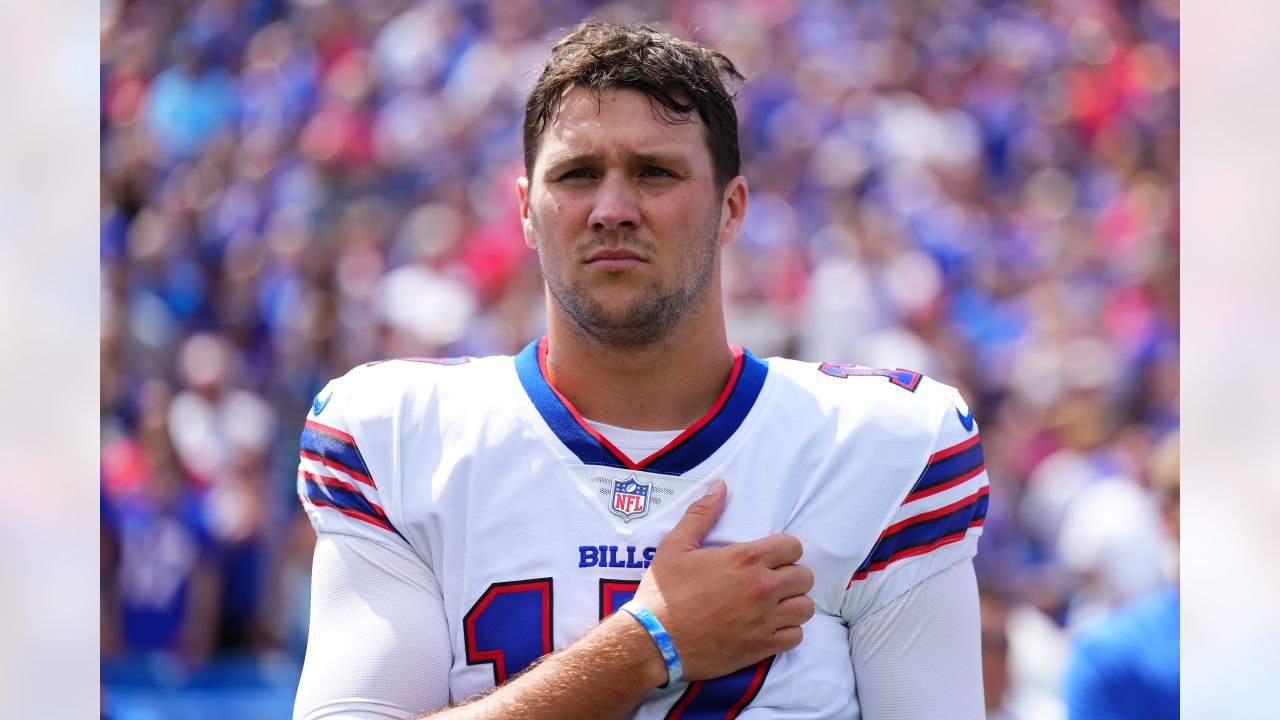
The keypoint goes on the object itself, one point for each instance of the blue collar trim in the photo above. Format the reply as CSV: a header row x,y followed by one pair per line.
x,y
686,452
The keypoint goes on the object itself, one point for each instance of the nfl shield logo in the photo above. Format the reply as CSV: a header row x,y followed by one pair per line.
x,y
630,498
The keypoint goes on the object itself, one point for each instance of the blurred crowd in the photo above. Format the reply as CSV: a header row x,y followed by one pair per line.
x,y
985,191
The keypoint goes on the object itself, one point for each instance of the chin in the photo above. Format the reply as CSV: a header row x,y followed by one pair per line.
x,y
622,314
616,302
632,323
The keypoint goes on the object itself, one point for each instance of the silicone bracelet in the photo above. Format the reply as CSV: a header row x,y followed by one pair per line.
x,y
675,670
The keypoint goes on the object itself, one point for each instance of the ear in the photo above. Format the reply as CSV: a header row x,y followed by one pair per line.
x,y
733,209
522,194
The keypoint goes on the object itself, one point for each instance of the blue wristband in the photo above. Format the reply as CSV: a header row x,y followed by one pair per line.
x,y
675,670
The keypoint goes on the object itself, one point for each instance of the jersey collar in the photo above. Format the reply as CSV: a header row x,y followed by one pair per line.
x,y
688,450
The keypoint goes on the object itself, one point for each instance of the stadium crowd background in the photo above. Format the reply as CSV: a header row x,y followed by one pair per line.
x,y
984,191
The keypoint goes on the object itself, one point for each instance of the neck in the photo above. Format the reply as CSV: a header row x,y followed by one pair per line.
x,y
665,386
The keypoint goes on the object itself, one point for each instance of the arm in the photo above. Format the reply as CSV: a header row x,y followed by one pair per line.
x,y
379,642
912,605
920,656
604,674
379,648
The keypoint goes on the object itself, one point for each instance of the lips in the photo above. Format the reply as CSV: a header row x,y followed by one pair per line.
x,y
614,259
614,254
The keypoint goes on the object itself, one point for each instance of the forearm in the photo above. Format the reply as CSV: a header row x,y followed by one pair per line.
x,y
605,674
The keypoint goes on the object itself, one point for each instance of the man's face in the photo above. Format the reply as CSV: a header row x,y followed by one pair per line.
x,y
626,218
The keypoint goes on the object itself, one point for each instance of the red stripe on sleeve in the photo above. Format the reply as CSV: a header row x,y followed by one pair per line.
x,y
944,510
919,494
355,474
356,514
331,432
954,449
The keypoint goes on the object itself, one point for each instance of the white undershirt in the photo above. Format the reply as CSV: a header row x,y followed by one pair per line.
x,y
635,444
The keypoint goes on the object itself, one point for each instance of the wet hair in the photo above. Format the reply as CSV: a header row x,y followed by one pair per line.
x,y
679,77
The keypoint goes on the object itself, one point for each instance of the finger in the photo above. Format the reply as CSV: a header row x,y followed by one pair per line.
x,y
793,580
794,611
692,529
777,550
786,638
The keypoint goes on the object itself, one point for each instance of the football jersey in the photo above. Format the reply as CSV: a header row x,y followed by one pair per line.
x,y
535,527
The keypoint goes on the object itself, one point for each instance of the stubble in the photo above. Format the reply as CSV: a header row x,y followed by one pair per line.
x,y
657,310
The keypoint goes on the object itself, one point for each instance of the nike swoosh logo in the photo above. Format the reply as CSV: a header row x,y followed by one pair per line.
x,y
966,420
317,405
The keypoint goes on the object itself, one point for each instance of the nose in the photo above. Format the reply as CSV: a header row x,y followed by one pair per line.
x,y
615,205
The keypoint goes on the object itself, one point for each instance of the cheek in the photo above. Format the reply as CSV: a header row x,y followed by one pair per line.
x,y
547,233
553,214
686,212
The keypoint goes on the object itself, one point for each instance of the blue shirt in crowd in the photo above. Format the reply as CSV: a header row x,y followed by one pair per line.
x,y
1127,668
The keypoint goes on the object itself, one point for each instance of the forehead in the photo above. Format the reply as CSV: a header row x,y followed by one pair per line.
x,y
620,122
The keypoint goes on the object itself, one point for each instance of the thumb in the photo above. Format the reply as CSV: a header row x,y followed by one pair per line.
x,y
692,529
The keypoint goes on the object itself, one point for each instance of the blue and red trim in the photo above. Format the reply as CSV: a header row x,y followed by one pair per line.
x,y
335,449
334,493
693,446
905,379
924,533
948,468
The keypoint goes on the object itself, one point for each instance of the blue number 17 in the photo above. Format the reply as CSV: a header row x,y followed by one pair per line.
x,y
509,627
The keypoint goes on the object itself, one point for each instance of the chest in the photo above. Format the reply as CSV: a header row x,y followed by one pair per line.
x,y
531,551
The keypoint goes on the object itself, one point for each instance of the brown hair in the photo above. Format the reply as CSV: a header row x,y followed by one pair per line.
x,y
679,77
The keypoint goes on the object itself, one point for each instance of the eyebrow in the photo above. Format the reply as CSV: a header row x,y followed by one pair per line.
x,y
674,160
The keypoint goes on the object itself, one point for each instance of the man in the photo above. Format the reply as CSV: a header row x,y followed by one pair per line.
x,y
650,511
1128,667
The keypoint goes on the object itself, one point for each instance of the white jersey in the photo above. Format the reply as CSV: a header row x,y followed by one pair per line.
x,y
534,527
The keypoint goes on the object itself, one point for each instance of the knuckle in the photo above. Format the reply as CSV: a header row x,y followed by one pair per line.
x,y
749,555
760,588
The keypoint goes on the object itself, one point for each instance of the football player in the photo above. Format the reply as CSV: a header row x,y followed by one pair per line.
x,y
632,517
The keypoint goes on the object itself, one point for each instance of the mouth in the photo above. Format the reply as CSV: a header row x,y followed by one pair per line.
x,y
614,259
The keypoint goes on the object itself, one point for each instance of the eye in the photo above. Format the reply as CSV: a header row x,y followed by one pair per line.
x,y
576,174
657,172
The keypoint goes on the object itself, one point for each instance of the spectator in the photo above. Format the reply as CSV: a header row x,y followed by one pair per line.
x,y
983,192
1129,666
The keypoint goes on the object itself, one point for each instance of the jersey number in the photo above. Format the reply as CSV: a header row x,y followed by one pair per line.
x,y
902,378
510,627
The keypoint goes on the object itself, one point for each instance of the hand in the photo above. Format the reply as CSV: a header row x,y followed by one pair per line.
x,y
729,607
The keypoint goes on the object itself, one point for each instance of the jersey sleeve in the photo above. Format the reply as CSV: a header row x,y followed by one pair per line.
x,y
936,524
378,641
378,645
920,656
335,485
